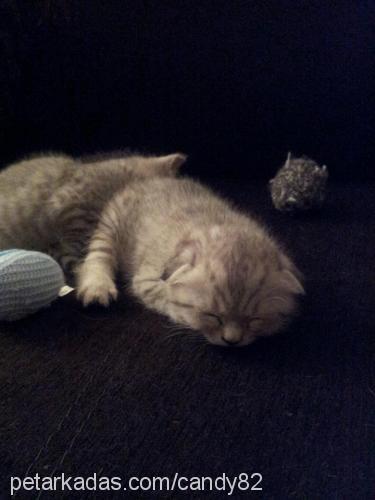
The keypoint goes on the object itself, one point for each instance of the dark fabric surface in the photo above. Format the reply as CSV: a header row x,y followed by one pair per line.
x,y
235,84
84,391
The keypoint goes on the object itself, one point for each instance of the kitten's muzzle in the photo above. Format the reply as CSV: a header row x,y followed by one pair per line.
x,y
232,334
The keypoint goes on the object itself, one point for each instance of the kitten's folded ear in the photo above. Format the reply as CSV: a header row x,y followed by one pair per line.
x,y
170,164
292,282
291,277
185,257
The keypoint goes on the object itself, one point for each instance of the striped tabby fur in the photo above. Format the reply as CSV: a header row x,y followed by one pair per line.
x,y
179,248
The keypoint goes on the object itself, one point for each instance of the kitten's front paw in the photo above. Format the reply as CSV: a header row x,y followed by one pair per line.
x,y
101,291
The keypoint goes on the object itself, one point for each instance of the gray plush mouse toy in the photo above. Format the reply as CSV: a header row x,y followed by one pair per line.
x,y
300,184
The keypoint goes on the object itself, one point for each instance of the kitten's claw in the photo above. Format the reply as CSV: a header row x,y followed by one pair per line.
x,y
102,292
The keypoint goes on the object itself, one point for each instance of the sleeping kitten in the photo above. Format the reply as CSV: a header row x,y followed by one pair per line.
x,y
52,203
182,250
188,255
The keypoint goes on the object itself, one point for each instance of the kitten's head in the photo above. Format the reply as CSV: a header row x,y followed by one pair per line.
x,y
232,286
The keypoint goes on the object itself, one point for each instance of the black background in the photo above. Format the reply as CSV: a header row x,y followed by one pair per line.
x,y
235,84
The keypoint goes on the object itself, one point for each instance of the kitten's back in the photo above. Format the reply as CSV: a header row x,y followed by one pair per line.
x,y
37,171
43,199
24,189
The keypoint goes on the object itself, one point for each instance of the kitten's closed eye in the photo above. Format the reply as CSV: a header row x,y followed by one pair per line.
x,y
255,325
254,321
215,317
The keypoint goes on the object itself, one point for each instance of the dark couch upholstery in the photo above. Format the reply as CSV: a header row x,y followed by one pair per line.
x,y
235,85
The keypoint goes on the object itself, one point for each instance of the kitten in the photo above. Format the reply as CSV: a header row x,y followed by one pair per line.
x,y
52,203
190,256
182,250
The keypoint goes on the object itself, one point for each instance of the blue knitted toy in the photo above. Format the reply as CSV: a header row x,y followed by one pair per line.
x,y
28,281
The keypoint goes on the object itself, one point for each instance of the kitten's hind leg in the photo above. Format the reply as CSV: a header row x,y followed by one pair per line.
x,y
168,165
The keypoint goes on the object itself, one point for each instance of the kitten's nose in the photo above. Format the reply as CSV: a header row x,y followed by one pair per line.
x,y
230,342
232,334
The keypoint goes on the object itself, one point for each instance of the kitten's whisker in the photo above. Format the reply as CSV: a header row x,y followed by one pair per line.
x,y
178,327
176,333
183,331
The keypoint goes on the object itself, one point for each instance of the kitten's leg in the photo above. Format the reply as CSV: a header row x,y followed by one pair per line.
x,y
96,274
168,165
144,166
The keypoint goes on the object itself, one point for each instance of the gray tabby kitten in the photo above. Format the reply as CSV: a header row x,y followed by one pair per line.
x,y
53,203
182,250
